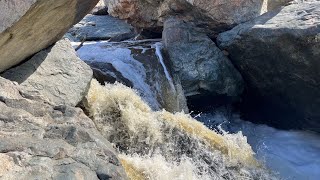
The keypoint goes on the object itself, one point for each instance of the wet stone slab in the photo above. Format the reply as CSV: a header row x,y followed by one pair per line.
x,y
94,28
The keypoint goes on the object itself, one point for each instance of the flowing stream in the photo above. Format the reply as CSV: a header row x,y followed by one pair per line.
x,y
292,154
156,144
161,145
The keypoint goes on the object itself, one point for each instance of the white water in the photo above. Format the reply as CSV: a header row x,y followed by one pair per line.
x,y
159,145
123,61
293,154
142,63
158,47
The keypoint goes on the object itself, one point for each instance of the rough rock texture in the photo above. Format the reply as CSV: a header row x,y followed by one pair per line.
x,y
199,63
100,9
274,4
28,26
93,28
278,55
40,141
56,72
213,15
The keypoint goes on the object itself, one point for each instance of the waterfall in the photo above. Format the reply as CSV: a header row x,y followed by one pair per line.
x,y
158,47
160,145
141,63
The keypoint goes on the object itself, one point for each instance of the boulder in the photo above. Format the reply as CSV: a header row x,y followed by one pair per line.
x,y
31,25
40,141
278,56
274,4
100,9
95,28
212,15
57,73
199,64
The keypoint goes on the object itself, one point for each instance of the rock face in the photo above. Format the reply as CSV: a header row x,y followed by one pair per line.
x,y
213,15
40,141
56,72
198,62
94,28
31,25
100,9
274,4
278,55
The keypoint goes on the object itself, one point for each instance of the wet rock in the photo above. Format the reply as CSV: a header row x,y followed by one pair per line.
x,y
106,72
278,56
29,26
136,64
57,73
200,65
94,28
41,141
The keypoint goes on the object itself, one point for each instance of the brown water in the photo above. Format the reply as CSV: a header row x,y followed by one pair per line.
x,y
160,145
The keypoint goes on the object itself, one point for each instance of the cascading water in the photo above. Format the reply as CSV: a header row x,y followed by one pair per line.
x,y
158,145
142,63
161,145
295,155
158,47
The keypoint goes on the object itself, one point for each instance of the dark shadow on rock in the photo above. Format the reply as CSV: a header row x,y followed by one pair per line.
x,y
27,67
280,68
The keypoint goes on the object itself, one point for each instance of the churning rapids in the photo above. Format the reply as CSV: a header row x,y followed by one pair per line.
x,y
158,145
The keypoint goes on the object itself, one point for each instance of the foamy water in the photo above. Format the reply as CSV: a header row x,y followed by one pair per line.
x,y
122,61
293,154
161,145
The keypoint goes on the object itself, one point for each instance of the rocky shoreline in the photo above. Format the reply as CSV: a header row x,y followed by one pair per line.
x,y
261,57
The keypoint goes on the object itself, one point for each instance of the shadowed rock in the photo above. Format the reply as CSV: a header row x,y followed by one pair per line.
x,y
278,56
198,62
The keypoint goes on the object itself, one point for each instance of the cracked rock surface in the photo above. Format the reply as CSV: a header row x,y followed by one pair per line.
x,y
43,141
56,72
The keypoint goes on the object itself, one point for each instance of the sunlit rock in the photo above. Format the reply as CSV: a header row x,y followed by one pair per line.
x,y
40,141
57,73
29,26
212,15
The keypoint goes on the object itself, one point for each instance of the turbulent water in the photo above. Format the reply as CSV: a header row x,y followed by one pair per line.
x,y
292,154
157,145
161,145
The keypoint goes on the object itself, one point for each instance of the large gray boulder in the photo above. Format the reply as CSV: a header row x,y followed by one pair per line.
x,y
274,4
57,73
212,15
40,141
198,62
278,55
29,26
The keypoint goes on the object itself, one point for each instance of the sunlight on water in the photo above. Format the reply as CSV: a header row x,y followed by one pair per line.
x,y
295,155
162,145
